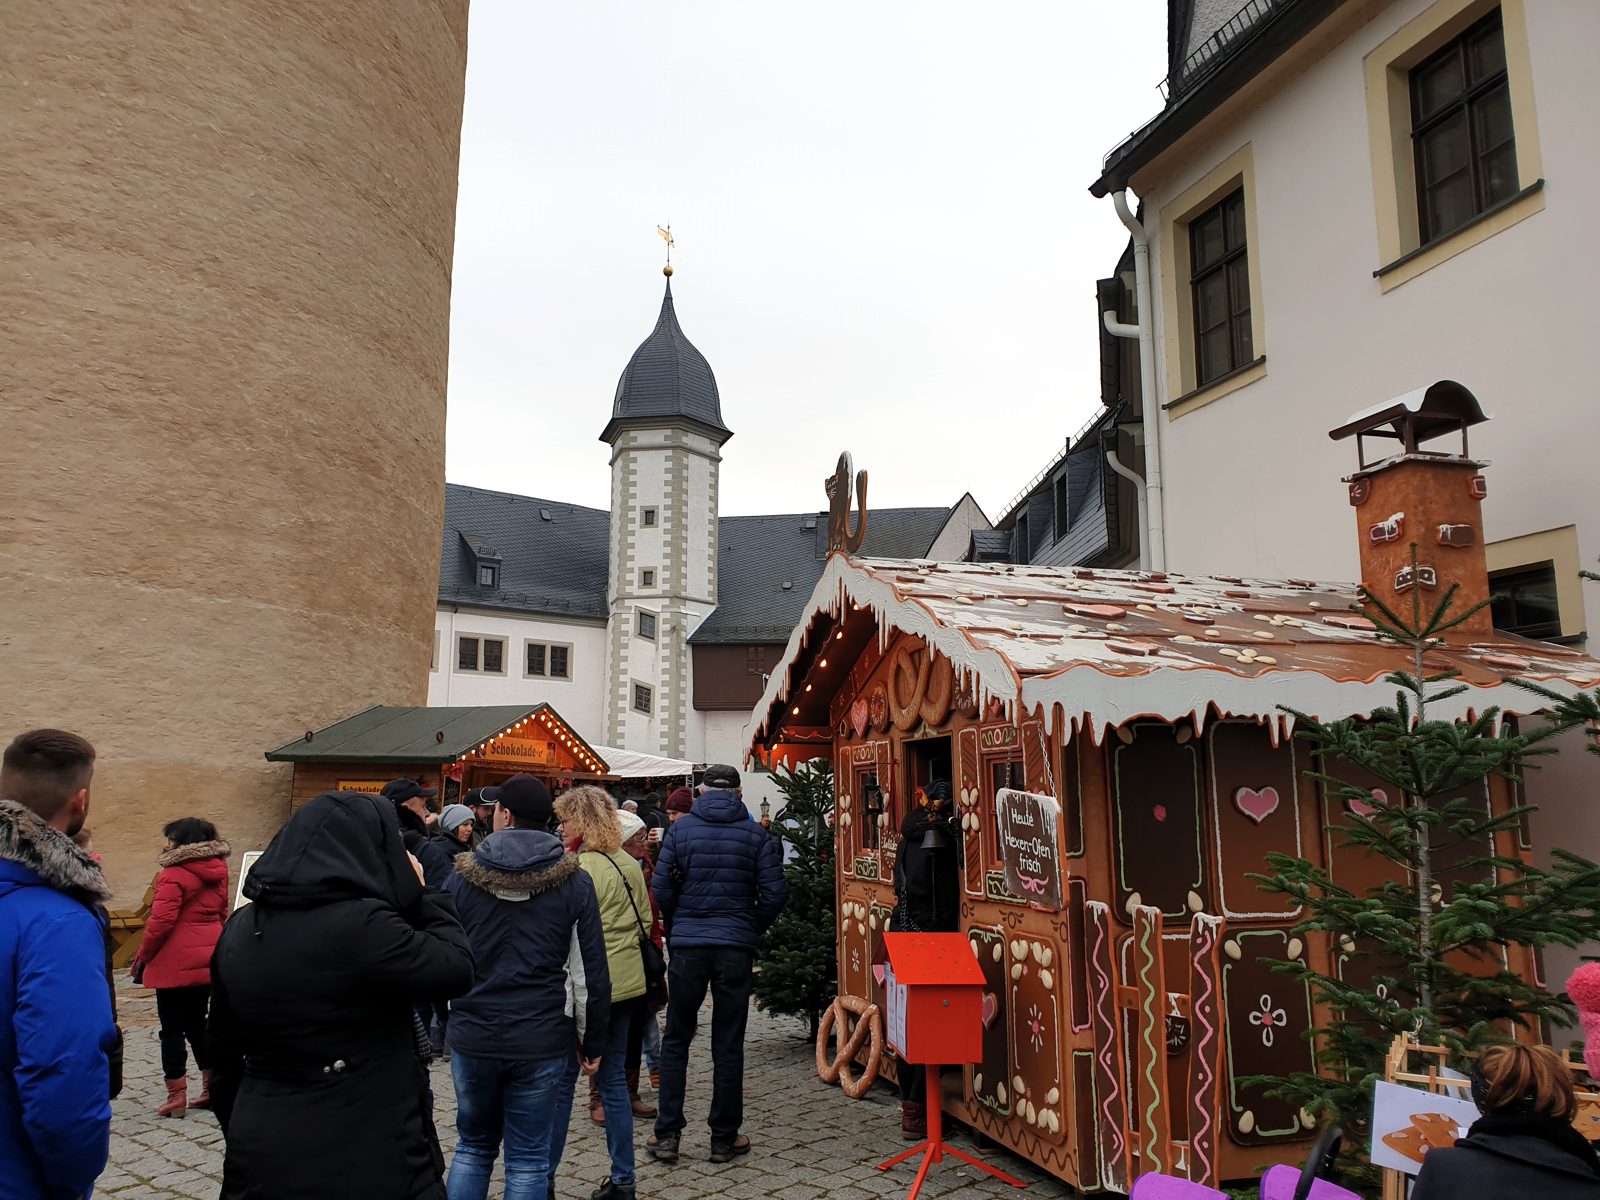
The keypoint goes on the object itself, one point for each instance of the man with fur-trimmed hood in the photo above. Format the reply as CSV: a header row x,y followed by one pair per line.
x,y
57,1030
540,1002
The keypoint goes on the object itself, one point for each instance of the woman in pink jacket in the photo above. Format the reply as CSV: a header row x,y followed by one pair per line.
x,y
186,918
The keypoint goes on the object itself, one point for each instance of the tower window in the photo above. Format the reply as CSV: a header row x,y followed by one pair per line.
x,y
643,699
647,517
647,625
647,578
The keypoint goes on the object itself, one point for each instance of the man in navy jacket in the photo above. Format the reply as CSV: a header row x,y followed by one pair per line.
x,y
718,883
56,1027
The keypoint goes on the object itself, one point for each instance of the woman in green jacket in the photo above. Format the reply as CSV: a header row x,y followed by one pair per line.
x,y
590,828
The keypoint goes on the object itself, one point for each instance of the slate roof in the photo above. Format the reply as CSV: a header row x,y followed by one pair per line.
x,y
553,555
558,566
667,377
397,734
756,556
1103,647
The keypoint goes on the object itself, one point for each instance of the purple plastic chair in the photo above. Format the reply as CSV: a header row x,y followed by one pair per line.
x,y
1165,1187
1282,1182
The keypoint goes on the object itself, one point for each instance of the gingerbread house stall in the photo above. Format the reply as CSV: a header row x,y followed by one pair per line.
x,y
1118,932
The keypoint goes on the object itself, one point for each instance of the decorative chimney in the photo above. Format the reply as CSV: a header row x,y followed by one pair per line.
x,y
1423,498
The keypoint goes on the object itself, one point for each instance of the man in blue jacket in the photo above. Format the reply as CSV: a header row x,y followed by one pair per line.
x,y
718,883
56,1027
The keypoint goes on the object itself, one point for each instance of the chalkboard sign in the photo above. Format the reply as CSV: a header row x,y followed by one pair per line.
x,y
1030,848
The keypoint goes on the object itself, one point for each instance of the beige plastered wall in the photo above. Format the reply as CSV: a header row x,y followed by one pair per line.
x,y
228,230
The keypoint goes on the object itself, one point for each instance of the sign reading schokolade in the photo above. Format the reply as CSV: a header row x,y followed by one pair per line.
x,y
1029,851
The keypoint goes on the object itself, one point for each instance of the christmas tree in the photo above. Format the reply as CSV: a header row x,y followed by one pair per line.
x,y
1423,949
796,972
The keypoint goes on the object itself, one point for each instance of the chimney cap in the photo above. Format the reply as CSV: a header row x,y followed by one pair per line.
x,y
1442,407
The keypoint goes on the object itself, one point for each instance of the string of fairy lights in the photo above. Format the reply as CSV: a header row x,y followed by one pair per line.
x,y
541,721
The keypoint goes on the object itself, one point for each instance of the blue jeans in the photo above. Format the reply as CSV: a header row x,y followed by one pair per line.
x,y
652,1040
612,1084
526,1102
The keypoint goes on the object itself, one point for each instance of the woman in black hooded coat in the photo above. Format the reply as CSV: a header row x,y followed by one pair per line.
x,y
317,1080
927,886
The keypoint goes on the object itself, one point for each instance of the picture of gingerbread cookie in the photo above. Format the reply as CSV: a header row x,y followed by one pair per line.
x,y
1427,1131
1587,1119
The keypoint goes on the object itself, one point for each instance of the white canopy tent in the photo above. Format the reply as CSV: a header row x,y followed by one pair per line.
x,y
635,764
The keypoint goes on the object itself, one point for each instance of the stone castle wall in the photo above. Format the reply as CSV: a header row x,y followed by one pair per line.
x,y
229,232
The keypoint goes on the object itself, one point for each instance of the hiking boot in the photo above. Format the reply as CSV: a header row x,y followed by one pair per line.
x,y
663,1147
728,1151
655,1078
913,1120
612,1190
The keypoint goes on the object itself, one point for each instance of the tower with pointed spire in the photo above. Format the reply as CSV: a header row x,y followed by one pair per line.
x,y
666,435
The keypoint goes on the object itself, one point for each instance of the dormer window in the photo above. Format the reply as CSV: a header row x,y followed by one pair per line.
x,y
483,559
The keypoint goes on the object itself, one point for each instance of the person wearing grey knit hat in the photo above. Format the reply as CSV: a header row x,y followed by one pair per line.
x,y
455,823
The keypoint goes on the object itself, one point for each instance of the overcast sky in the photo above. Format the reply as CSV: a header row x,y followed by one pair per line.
x,y
885,239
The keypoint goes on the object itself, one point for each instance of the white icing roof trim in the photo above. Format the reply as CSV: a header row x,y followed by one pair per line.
x,y
1170,687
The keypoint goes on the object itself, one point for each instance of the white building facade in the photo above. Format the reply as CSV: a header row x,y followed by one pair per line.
x,y
1343,204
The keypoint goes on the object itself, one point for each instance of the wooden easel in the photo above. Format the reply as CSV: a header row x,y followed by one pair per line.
x,y
1398,1068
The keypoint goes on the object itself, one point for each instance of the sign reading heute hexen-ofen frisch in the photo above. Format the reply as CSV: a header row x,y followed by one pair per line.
x,y
1030,852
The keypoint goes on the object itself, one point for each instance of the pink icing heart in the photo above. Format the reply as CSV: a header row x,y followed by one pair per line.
x,y
858,716
1159,812
991,1009
878,972
1362,809
1257,805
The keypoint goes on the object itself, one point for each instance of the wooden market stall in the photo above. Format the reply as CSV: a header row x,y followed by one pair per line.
x,y
452,749
1126,996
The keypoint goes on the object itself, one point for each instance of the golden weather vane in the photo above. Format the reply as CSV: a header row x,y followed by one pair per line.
x,y
666,236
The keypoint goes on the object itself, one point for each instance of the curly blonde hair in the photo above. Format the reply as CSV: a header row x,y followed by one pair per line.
x,y
588,812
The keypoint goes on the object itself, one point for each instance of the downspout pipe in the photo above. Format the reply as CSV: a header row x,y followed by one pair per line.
x,y
1154,517
1133,477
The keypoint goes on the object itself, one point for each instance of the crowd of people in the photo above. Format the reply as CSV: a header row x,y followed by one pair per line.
x,y
528,939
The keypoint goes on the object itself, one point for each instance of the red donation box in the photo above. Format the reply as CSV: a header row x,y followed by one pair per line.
x,y
935,994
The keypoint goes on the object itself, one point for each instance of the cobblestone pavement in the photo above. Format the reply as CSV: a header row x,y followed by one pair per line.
x,y
809,1140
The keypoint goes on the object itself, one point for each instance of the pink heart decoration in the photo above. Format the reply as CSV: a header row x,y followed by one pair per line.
x,y
858,716
878,973
1362,809
991,1009
1159,812
1257,805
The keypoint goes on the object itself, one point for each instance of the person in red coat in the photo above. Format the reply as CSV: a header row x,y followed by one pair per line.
x,y
186,919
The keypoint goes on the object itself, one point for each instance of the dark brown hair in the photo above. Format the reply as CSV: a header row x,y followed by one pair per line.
x,y
44,768
1530,1079
186,831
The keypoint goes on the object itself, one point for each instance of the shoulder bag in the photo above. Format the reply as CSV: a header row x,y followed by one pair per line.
x,y
655,962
